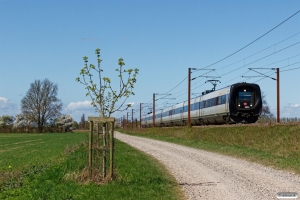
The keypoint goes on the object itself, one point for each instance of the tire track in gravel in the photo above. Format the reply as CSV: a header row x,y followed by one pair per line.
x,y
206,175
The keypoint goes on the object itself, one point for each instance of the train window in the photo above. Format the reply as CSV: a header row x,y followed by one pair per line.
x,y
220,100
244,99
185,108
213,102
176,111
196,106
165,114
245,96
224,98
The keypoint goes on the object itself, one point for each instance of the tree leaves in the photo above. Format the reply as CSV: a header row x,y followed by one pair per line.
x,y
103,97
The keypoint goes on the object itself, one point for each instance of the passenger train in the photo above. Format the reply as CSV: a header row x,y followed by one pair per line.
x,y
237,103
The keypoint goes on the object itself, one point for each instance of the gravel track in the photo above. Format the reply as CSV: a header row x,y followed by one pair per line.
x,y
206,175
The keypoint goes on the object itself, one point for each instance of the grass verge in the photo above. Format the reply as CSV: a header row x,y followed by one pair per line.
x,y
276,145
137,177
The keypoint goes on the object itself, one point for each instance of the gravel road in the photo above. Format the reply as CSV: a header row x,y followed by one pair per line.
x,y
206,175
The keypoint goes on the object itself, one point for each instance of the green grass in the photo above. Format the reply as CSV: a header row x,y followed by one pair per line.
x,y
138,176
276,145
23,150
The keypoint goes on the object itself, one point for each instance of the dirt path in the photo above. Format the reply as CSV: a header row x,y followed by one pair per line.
x,y
205,175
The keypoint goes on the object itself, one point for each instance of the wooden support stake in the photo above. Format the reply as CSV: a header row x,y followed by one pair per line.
x,y
91,149
111,150
104,149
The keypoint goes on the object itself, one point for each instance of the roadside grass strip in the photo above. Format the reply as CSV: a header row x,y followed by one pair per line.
x,y
138,176
277,145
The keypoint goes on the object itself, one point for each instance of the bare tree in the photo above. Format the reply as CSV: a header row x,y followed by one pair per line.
x,y
265,112
40,103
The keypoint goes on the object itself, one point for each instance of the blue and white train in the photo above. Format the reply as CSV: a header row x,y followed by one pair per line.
x,y
237,103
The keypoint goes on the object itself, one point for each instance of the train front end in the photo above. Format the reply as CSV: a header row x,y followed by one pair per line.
x,y
245,103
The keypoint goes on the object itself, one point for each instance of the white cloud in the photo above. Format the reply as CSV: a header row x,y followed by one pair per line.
x,y
77,109
7,107
81,105
289,110
295,105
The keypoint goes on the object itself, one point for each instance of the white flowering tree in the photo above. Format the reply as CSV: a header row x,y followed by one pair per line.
x,y
65,121
22,121
6,120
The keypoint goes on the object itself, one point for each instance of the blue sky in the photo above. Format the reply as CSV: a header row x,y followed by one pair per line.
x,y
47,39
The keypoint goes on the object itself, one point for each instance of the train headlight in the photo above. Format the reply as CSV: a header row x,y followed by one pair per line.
x,y
239,105
250,105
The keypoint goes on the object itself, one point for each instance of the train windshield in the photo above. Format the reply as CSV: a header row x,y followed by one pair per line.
x,y
246,96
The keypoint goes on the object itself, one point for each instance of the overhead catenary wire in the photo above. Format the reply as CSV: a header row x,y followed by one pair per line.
x,y
253,40
246,57
243,59
280,70
263,67
285,39
263,57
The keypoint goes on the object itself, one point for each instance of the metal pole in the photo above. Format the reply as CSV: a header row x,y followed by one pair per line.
x,y
189,97
153,112
140,115
127,121
132,119
278,96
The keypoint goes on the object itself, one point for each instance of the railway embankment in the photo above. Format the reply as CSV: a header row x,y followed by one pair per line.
x,y
274,145
208,175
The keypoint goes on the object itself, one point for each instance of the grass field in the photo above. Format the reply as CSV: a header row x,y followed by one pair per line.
x,y
45,166
277,145
21,150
